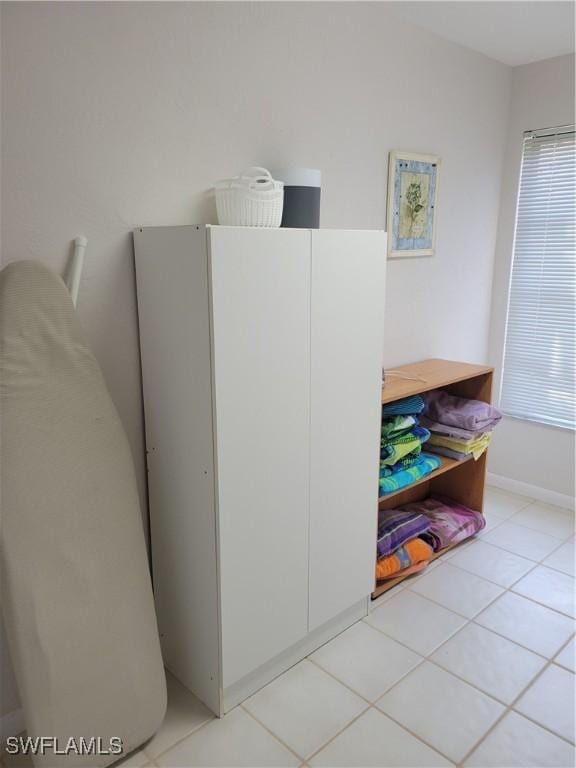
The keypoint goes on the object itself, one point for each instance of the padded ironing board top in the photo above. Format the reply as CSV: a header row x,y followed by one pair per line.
x,y
77,597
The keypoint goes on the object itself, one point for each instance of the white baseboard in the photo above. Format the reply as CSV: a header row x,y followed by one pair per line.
x,y
11,724
531,491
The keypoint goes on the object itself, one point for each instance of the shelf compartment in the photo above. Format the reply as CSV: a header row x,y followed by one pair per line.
x,y
445,466
384,586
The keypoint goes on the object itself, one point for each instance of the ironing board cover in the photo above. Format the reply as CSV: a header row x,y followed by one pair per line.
x,y
76,591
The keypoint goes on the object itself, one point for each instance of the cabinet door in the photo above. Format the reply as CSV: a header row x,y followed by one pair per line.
x,y
261,360
347,325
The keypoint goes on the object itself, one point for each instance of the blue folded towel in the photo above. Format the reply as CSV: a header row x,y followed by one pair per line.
x,y
409,405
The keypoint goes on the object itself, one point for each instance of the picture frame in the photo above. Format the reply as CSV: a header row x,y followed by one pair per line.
x,y
413,184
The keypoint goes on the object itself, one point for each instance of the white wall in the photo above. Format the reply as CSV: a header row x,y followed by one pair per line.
x,y
123,114
542,97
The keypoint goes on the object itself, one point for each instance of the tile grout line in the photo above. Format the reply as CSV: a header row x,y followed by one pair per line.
x,y
476,623
317,751
275,736
473,620
562,648
506,589
397,682
507,707
531,502
510,708
372,704
349,687
537,563
563,537
561,543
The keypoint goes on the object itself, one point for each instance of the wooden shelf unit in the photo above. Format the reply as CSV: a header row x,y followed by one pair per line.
x,y
462,481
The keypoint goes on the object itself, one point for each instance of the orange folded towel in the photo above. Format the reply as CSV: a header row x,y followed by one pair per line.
x,y
413,552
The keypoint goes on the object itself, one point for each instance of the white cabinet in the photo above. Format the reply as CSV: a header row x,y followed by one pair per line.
x,y
261,362
261,359
347,321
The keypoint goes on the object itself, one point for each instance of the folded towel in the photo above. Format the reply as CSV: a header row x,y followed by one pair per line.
x,y
396,425
450,522
393,449
475,447
439,450
410,460
396,527
413,552
461,412
450,431
408,476
391,453
409,405
410,571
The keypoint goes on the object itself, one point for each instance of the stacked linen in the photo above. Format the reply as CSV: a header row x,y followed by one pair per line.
x,y
400,546
409,535
419,467
449,522
401,459
414,556
459,427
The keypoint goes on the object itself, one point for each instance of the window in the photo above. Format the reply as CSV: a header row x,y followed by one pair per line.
x,y
538,379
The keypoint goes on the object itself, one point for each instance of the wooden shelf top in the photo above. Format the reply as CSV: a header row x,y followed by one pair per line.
x,y
428,374
446,465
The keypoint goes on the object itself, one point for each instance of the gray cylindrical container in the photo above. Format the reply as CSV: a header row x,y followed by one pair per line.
x,y
301,197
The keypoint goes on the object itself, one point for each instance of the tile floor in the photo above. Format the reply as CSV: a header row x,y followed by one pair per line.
x,y
468,664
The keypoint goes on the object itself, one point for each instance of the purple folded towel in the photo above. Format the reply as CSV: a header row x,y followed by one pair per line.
x,y
396,527
450,431
460,412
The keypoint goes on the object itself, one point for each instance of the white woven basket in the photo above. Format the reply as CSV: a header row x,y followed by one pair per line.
x,y
253,199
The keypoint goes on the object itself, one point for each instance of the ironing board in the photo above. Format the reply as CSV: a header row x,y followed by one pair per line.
x,y
76,591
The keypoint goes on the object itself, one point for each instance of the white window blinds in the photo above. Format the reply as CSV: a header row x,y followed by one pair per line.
x,y
538,380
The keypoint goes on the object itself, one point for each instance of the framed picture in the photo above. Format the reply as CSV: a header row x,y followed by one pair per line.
x,y
412,204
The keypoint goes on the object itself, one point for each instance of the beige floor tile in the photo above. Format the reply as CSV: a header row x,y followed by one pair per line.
x,y
546,519
532,625
567,657
549,587
305,707
503,503
455,589
447,713
366,660
550,701
491,663
522,541
416,622
234,741
563,558
374,741
492,563
519,743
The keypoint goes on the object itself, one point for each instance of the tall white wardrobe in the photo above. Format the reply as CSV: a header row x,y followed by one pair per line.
x,y
261,361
